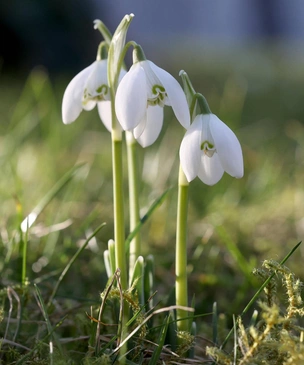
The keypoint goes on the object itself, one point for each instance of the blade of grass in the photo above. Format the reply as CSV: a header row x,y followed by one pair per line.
x,y
253,299
235,252
48,324
214,323
154,205
161,340
31,218
70,263
235,345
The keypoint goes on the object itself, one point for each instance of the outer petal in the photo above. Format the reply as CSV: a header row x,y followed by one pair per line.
x,y
190,149
210,170
228,147
98,77
154,123
175,94
71,103
131,98
138,130
105,113
104,108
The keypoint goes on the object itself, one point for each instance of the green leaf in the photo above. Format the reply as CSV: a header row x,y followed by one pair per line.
x,y
161,341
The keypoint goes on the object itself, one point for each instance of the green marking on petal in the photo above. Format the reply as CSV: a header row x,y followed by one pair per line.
x,y
101,94
103,89
208,148
207,144
160,96
158,89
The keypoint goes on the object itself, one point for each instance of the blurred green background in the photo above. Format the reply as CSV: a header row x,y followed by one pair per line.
x,y
252,80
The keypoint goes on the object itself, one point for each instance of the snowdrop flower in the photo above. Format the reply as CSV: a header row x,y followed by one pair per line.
x,y
88,88
208,149
141,96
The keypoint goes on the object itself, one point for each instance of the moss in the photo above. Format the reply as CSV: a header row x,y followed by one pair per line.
x,y
277,338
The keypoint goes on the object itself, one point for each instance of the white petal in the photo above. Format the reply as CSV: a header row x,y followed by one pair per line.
x,y
228,147
123,72
131,98
105,114
138,130
175,94
154,123
104,108
71,103
88,104
98,79
190,149
210,170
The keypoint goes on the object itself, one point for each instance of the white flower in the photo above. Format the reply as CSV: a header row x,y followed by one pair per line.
x,y
208,149
88,88
141,96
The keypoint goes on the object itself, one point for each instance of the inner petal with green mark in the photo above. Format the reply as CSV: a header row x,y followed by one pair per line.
x,y
208,148
100,94
158,96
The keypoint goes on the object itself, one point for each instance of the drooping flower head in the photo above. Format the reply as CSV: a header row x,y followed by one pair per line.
x,y
88,88
141,96
208,149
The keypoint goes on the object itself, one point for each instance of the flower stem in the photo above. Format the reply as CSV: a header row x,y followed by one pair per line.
x,y
181,286
133,199
119,234
24,256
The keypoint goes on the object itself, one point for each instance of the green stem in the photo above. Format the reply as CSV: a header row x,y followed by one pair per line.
x,y
118,198
119,232
181,286
24,256
133,199
119,228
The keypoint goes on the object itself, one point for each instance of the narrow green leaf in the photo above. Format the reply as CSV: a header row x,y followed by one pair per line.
x,y
235,252
48,324
214,323
161,341
154,205
149,280
31,218
73,259
138,279
193,332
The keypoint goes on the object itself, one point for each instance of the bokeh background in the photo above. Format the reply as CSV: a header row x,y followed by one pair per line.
x,y
246,57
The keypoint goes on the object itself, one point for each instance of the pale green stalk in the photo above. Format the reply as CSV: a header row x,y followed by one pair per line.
x,y
118,201
24,256
133,199
119,223
181,285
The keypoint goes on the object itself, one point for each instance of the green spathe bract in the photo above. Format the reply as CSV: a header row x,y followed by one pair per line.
x,y
116,47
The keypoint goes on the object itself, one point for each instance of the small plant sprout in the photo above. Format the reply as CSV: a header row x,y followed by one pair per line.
x,y
209,148
141,96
